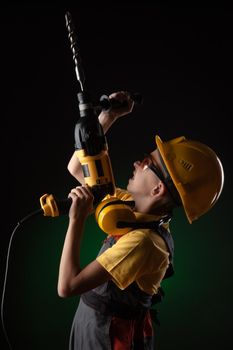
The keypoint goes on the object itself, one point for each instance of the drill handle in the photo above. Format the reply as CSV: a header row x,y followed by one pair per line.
x,y
106,103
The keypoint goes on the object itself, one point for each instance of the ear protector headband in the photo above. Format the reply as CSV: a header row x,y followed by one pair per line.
x,y
111,214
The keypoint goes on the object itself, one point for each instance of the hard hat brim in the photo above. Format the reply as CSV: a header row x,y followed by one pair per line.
x,y
163,152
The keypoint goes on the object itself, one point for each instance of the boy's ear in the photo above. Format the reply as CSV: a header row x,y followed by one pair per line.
x,y
159,189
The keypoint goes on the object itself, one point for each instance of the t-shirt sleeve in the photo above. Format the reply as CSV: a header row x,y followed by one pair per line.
x,y
130,257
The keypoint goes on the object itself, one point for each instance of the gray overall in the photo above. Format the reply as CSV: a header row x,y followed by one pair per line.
x,y
91,324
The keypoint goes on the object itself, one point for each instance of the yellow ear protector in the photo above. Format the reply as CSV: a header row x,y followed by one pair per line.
x,y
112,216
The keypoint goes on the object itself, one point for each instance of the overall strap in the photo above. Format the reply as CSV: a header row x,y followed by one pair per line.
x,y
168,239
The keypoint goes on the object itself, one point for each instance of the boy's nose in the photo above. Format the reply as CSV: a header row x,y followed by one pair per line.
x,y
137,163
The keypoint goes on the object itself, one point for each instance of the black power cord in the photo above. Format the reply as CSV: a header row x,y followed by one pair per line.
x,y
39,211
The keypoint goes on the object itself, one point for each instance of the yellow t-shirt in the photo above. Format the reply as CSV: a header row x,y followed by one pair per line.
x,y
140,255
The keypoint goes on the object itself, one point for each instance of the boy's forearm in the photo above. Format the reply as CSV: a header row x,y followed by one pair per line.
x,y
70,258
75,168
105,121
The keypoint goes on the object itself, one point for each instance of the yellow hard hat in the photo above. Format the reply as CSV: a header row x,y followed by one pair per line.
x,y
196,172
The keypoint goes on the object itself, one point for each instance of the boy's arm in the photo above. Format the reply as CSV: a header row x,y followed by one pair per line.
x,y
106,119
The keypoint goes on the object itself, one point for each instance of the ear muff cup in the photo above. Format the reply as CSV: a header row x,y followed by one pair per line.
x,y
111,211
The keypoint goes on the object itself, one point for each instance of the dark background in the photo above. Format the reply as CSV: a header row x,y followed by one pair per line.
x,y
180,60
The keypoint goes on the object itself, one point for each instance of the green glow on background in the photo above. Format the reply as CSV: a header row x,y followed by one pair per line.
x,y
195,306
36,317
181,62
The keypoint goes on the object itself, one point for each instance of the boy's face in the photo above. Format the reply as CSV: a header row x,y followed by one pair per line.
x,y
144,178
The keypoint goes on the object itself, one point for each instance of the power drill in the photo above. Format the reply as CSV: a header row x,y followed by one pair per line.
x,y
90,142
92,151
